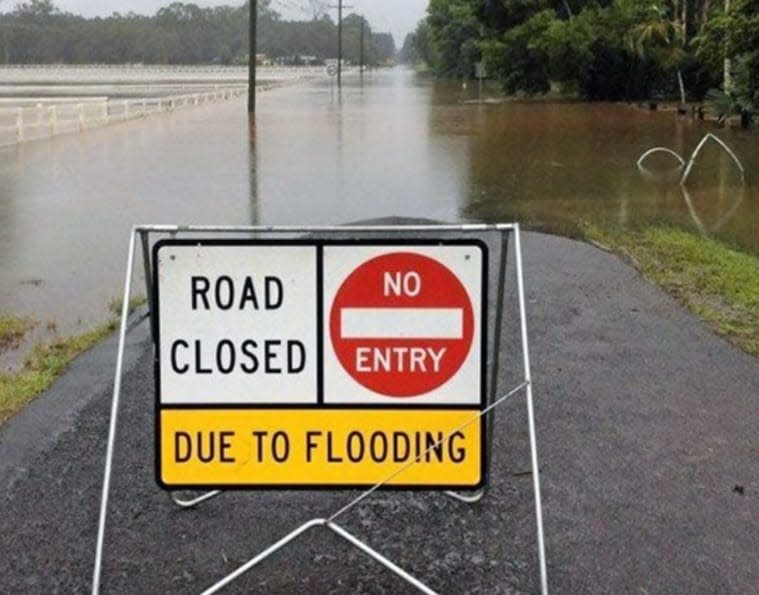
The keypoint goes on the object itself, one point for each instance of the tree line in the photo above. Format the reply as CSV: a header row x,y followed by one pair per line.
x,y
37,32
599,49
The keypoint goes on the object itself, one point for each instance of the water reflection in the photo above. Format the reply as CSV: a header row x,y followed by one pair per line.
x,y
253,169
68,204
720,212
329,157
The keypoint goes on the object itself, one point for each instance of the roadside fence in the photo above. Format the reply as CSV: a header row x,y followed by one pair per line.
x,y
34,119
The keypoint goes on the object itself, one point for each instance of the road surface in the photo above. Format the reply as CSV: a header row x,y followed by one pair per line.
x,y
649,451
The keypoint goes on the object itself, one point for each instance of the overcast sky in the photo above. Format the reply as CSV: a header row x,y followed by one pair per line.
x,y
397,16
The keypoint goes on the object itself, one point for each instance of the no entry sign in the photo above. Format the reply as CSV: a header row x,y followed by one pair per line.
x,y
402,324
320,364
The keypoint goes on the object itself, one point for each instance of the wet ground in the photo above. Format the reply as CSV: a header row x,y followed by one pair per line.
x,y
396,145
646,427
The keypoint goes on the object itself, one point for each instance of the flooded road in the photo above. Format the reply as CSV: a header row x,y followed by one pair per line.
x,y
396,146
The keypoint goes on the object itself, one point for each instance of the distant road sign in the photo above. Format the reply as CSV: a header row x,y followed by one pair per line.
x,y
320,363
331,70
479,70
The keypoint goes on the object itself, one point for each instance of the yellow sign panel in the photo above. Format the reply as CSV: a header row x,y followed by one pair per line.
x,y
320,447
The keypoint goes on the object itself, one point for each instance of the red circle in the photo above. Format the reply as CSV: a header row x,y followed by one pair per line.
x,y
397,375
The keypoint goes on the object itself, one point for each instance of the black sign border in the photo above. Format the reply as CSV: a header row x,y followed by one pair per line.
x,y
319,244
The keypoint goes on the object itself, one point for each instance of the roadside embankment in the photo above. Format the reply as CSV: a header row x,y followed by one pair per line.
x,y
715,281
46,360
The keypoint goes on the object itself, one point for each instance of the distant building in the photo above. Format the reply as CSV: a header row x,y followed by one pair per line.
x,y
298,60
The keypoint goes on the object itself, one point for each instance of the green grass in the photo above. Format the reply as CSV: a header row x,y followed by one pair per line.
x,y
47,361
13,330
42,367
712,279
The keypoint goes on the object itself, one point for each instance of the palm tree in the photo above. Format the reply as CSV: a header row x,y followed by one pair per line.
x,y
662,39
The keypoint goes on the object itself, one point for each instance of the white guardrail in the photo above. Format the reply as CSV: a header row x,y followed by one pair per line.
x,y
43,119
146,74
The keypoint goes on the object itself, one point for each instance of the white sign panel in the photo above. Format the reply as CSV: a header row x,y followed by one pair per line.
x,y
401,324
237,325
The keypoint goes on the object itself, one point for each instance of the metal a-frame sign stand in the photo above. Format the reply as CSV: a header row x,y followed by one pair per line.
x,y
144,232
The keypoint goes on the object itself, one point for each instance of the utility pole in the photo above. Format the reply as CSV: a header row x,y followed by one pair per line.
x,y
340,43
340,40
252,45
361,51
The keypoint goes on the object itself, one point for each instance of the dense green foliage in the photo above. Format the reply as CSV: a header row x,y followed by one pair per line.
x,y
37,32
734,34
598,49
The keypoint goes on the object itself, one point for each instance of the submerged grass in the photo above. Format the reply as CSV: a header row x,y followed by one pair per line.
x,y
114,306
46,363
712,279
13,330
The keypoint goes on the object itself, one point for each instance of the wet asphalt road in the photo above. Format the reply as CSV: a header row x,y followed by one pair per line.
x,y
646,422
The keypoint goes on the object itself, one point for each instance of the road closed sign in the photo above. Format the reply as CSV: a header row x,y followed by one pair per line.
x,y
320,364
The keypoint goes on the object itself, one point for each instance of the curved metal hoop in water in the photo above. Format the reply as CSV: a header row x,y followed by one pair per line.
x,y
692,159
660,150
660,175
700,146
686,196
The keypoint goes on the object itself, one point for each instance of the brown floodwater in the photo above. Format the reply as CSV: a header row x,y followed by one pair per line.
x,y
398,145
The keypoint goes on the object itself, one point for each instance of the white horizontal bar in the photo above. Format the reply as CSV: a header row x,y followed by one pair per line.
x,y
402,323
33,101
464,227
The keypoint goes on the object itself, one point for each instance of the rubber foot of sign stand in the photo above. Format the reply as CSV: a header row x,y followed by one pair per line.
x,y
472,498
338,530
192,502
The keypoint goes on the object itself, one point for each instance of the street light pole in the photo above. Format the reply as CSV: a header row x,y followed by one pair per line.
x,y
252,45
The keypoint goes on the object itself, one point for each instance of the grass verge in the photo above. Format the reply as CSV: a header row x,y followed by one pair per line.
x,y
47,362
713,280
42,367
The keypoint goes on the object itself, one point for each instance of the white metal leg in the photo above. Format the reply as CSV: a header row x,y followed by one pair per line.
x,y
330,522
